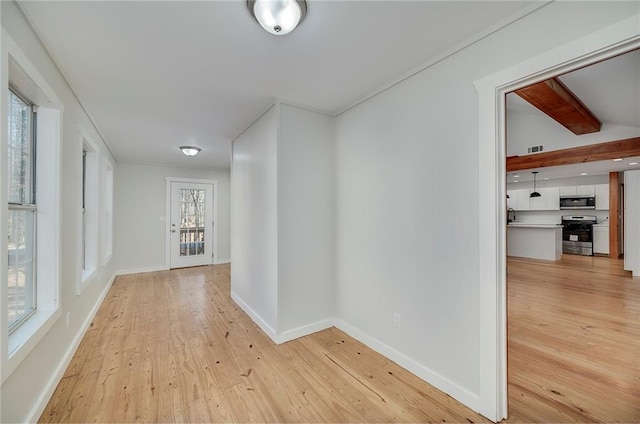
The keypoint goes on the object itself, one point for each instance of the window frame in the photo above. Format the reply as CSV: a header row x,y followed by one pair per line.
x,y
29,205
25,77
107,211
89,210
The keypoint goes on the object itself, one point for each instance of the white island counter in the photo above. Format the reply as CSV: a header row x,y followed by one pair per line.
x,y
537,241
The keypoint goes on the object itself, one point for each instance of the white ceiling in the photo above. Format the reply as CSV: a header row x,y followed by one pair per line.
x,y
157,75
611,90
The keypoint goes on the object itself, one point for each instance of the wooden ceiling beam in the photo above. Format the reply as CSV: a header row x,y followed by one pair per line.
x,y
591,153
554,99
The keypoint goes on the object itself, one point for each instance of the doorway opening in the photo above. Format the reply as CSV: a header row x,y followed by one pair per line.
x,y
570,306
611,41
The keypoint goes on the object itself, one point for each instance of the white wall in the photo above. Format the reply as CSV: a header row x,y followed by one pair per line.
x,y
26,391
254,228
407,205
533,129
283,222
305,217
140,209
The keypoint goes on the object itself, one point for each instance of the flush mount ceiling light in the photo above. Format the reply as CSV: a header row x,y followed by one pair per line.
x,y
190,150
534,193
278,17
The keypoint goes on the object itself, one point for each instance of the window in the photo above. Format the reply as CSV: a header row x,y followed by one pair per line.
x,y
22,213
107,225
30,215
89,213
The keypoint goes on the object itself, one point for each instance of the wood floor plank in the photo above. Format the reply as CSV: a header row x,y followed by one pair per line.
x,y
171,346
574,340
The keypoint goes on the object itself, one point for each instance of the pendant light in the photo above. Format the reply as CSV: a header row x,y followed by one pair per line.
x,y
278,17
534,193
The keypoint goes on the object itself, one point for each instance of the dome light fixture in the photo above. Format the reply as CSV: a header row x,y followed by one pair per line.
x,y
190,150
278,17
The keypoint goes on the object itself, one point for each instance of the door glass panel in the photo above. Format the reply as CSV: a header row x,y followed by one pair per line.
x,y
192,222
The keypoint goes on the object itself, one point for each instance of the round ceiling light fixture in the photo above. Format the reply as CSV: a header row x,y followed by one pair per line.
x,y
190,150
278,17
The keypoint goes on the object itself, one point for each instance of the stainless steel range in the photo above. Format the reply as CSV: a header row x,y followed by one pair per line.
x,y
577,234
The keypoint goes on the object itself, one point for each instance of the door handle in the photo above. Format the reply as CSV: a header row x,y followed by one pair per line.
x,y
173,231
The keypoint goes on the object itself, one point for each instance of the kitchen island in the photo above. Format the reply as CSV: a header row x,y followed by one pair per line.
x,y
536,241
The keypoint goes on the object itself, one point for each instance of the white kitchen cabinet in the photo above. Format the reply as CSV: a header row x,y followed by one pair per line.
x,y
585,190
568,191
511,200
522,200
536,203
601,240
602,196
551,198
581,190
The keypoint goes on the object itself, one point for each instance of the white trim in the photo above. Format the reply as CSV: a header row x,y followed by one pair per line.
x,y
305,330
486,32
190,180
22,5
438,381
252,122
141,270
27,337
46,394
51,110
305,107
30,70
269,331
4,85
222,261
167,219
615,39
86,276
279,259
107,166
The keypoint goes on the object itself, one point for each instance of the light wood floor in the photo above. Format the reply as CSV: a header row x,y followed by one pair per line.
x,y
172,347
574,340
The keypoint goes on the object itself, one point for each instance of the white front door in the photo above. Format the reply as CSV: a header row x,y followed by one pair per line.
x,y
191,224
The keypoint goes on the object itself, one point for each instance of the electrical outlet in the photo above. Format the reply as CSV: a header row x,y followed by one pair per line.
x,y
397,320
68,319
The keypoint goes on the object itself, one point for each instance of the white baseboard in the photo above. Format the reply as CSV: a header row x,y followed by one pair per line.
x,y
285,336
43,400
140,270
305,330
221,261
255,317
457,392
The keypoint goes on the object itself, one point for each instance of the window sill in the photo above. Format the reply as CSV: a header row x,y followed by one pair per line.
x,y
27,336
86,277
